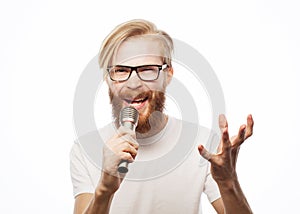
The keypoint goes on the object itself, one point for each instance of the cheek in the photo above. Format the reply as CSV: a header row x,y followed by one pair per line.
x,y
115,88
158,85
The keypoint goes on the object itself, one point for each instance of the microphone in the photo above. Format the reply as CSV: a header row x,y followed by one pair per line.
x,y
129,117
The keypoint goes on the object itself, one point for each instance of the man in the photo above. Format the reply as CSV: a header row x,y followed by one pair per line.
x,y
137,60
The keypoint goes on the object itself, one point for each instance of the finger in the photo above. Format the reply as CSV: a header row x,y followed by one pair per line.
x,y
123,130
250,124
132,141
232,138
225,142
119,133
239,139
204,153
222,122
126,156
127,148
220,148
117,143
235,154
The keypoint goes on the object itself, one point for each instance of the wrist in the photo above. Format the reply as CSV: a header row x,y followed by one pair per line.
x,y
103,194
104,190
108,185
228,184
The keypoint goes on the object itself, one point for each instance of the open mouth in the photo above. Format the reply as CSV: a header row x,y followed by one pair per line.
x,y
137,103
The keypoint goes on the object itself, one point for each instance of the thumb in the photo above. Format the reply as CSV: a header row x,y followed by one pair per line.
x,y
204,153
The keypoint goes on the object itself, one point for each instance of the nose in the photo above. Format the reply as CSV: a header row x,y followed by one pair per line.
x,y
134,81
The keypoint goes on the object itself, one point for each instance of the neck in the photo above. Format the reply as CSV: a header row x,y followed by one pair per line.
x,y
154,125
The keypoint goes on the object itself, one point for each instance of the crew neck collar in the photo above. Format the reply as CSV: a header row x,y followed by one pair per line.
x,y
157,137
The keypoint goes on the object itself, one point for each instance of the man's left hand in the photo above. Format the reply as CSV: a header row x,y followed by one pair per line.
x,y
223,164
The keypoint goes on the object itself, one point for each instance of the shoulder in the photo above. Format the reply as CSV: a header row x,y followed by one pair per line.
x,y
88,147
202,132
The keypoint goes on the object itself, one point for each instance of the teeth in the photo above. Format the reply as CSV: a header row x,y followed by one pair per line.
x,y
135,104
135,101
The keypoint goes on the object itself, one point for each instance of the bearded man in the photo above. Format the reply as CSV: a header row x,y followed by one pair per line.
x,y
164,174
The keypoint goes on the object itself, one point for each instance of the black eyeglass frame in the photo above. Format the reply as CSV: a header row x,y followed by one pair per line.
x,y
135,68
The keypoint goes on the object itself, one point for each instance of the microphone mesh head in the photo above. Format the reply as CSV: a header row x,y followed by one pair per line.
x,y
129,114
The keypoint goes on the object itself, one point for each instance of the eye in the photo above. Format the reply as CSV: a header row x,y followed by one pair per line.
x,y
121,70
148,68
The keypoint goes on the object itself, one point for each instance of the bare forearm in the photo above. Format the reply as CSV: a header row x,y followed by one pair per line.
x,y
99,204
233,198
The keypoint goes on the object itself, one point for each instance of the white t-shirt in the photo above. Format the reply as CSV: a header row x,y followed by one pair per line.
x,y
167,176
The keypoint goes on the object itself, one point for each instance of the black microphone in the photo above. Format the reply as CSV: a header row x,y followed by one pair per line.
x,y
129,118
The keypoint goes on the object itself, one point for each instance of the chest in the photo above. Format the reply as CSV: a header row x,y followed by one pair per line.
x,y
177,191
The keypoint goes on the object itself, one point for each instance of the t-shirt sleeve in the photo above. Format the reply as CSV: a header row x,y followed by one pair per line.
x,y
79,173
211,188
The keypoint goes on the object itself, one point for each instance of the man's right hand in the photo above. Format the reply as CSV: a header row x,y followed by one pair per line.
x,y
121,147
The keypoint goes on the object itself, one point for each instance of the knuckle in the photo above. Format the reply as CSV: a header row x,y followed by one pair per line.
x,y
136,146
127,156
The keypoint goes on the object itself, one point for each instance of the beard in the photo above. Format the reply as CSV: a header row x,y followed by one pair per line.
x,y
151,119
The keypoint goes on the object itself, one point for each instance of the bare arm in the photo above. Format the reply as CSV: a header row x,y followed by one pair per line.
x,y
87,203
99,202
81,202
223,168
218,206
234,199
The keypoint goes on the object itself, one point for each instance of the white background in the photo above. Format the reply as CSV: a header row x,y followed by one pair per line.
x,y
253,46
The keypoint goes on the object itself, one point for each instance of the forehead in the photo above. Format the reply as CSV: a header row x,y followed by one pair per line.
x,y
138,51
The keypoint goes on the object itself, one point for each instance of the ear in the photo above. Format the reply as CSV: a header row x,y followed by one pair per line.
x,y
169,74
106,79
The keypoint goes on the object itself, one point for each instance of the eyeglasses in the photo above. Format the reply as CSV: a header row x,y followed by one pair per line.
x,y
144,72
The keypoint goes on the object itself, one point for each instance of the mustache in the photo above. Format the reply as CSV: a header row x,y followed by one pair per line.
x,y
156,105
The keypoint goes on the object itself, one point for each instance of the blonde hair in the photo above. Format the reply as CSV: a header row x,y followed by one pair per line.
x,y
124,31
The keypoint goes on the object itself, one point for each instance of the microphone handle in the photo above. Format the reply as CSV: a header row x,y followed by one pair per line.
x,y
123,165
